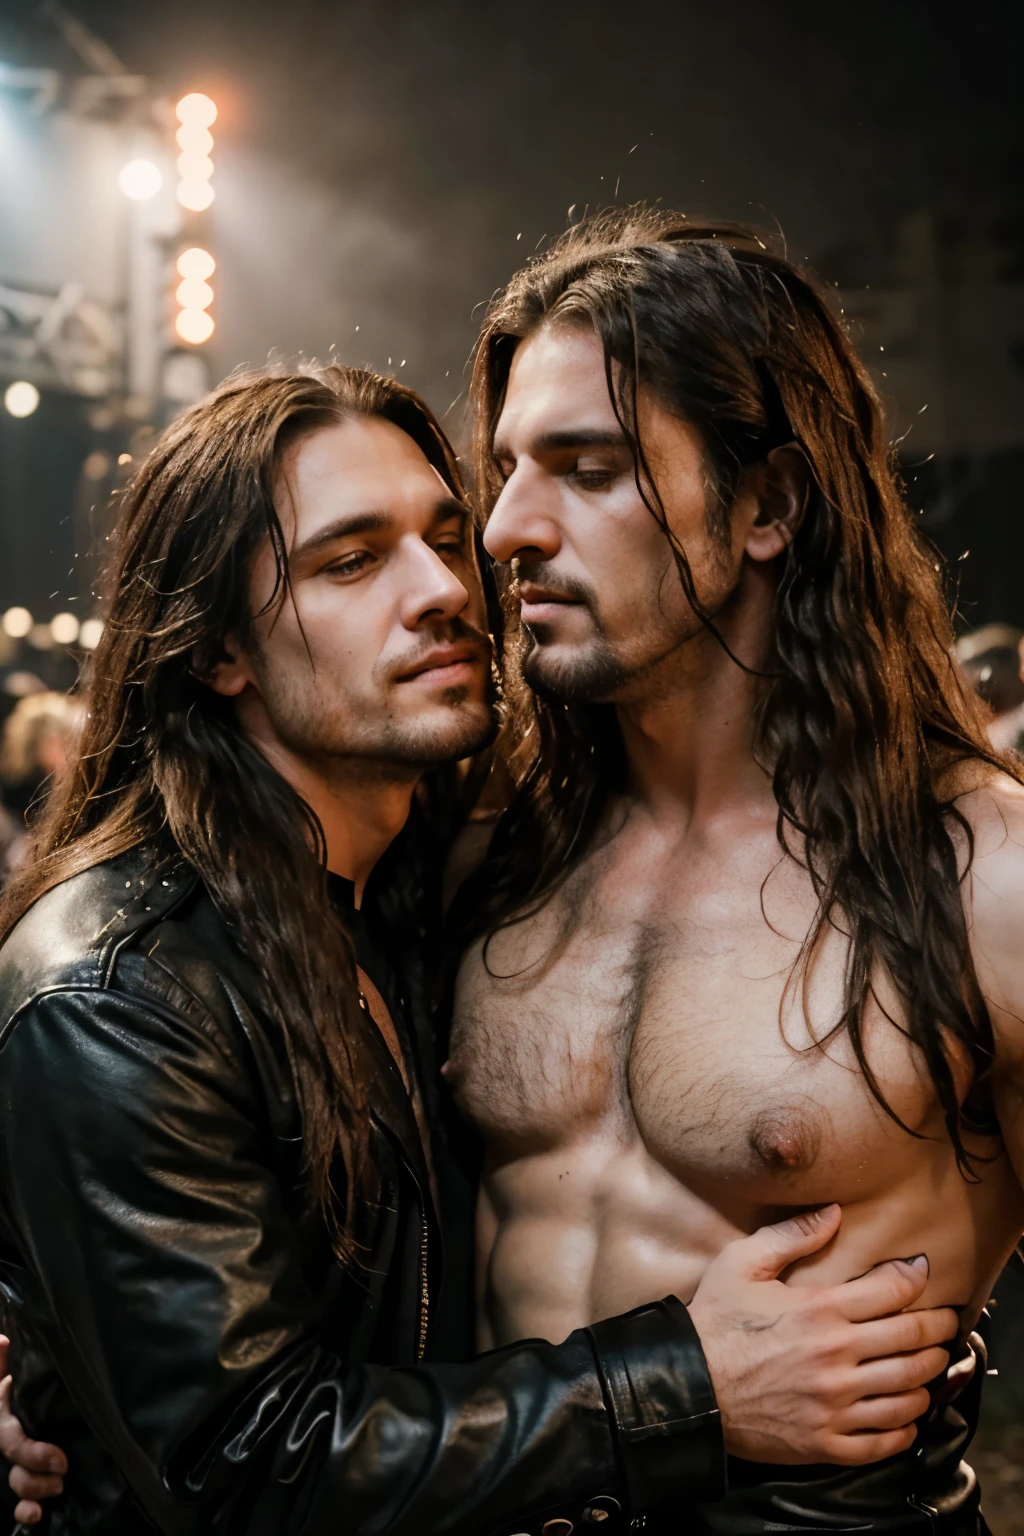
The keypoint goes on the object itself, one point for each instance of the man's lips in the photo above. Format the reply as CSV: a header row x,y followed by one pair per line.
x,y
447,663
542,602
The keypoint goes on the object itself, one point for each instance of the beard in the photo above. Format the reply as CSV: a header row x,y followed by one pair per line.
x,y
467,728
590,676
592,672
364,736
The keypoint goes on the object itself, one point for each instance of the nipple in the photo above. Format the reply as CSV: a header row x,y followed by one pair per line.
x,y
784,1141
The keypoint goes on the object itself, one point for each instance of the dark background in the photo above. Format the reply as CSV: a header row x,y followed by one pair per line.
x,y
385,165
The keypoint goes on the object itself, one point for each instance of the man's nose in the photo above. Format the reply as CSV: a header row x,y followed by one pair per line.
x,y
432,589
522,521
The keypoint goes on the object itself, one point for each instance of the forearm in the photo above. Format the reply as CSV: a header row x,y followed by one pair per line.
x,y
516,1436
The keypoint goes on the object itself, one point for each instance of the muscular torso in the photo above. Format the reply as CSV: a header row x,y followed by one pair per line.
x,y
648,1089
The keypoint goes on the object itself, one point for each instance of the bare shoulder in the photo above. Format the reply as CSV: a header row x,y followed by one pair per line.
x,y
993,807
993,894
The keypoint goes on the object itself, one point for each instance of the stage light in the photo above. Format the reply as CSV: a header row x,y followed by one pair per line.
x,y
194,326
140,180
195,113
193,293
196,108
89,634
194,138
64,628
16,623
195,195
196,263
194,167
21,398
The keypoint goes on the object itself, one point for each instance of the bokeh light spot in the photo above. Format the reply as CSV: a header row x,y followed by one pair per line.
x,y
195,108
197,263
21,398
140,180
194,326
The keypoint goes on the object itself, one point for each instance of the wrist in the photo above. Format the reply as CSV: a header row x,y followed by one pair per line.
x,y
667,1426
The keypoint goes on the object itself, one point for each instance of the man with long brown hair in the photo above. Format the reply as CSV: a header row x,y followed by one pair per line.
x,y
748,939
225,1178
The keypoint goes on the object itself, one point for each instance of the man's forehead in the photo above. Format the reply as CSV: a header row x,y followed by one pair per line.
x,y
359,446
557,385
352,466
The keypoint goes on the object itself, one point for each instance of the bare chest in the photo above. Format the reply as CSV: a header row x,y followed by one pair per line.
x,y
667,1013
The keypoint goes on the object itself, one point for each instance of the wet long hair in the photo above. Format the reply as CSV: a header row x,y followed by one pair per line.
x,y
863,721
163,764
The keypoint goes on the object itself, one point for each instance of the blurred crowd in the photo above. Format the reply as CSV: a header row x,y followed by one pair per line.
x,y
38,732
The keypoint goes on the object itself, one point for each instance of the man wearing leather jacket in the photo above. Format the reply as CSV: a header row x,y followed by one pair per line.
x,y
234,1246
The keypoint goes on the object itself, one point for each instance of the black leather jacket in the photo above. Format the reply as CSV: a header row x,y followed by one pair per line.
x,y
178,1322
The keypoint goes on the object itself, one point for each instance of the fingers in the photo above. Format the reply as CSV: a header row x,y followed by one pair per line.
x,y
31,1455
880,1413
33,1485
905,1332
26,1513
901,1373
859,1450
770,1250
5,1345
887,1288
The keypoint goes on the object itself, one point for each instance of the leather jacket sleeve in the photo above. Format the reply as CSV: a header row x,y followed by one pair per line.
x,y
178,1315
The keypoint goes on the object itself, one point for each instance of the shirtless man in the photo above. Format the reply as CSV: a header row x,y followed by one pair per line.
x,y
723,968
657,1236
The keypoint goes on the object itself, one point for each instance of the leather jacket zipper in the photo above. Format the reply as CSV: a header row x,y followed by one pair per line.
x,y
424,1291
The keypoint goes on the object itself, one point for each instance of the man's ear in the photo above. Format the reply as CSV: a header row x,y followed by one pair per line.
x,y
783,491
228,674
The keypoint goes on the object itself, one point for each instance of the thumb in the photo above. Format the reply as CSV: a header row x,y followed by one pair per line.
x,y
770,1250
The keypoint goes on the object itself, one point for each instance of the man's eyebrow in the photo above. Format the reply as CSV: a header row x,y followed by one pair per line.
x,y
575,437
448,508
375,521
343,528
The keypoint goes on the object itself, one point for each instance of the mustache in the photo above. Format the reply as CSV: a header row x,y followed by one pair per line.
x,y
454,632
543,574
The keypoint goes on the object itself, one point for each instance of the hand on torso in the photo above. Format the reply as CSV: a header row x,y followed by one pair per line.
x,y
648,1087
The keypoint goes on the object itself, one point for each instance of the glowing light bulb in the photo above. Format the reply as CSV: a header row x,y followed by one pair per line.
x,y
194,167
194,325
195,195
195,262
89,634
140,180
193,293
196,108
194,138
64,628
21,398
17,622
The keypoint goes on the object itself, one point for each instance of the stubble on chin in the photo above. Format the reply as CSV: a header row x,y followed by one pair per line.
x,y
472,728
590,676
